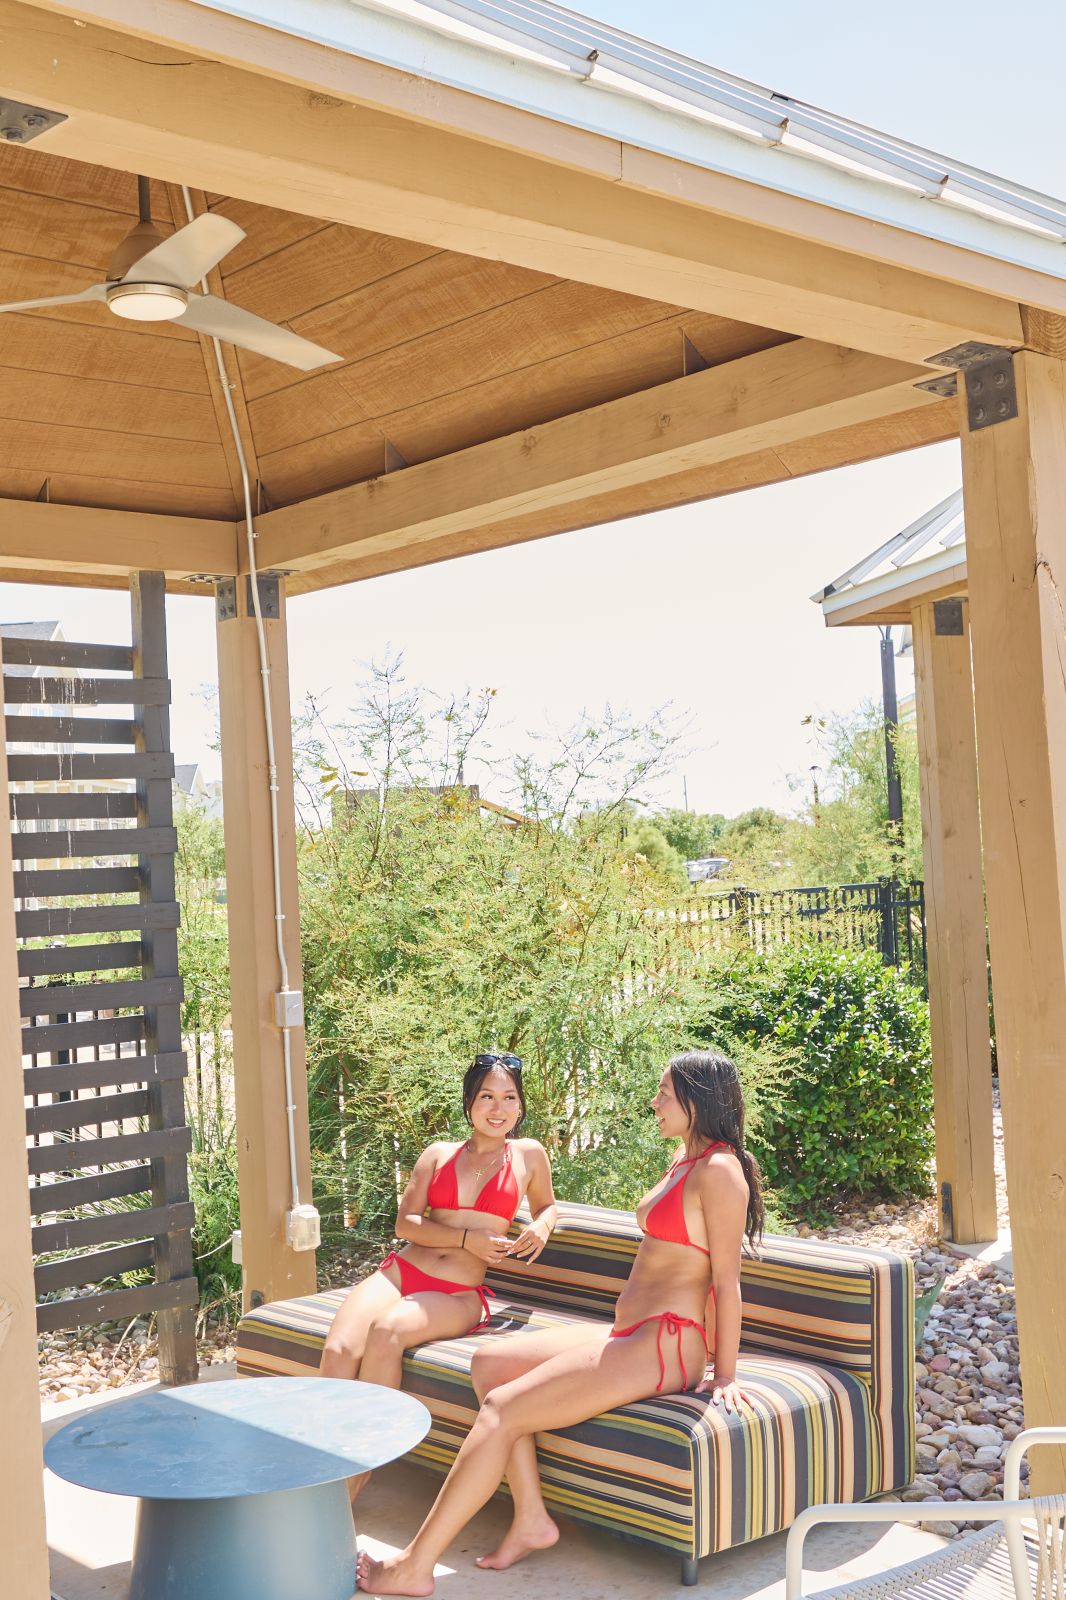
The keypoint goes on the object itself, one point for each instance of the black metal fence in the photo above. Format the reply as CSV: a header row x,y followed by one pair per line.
x,y
887,916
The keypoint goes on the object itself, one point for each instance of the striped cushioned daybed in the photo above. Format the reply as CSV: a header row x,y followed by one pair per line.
x,y
827,1355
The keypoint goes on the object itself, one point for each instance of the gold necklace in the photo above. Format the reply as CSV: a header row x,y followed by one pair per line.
x,y
479,1170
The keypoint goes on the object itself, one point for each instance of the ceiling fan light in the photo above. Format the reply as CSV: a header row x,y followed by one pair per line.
x,y
147,302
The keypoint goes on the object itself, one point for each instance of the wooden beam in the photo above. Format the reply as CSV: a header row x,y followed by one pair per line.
x,y
759,402
58,543
22,1530
243,130
1014,487
955,911
272,1271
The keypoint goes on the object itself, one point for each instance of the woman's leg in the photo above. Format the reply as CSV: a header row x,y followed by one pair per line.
x,y
579,1383
415,1319
496,1362
346,1339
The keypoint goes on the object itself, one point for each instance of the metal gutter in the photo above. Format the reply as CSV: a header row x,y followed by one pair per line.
x,y
555,64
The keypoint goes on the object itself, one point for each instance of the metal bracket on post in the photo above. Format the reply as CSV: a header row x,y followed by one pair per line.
x,y
988,369
269,597
20,123
947,1210
947,618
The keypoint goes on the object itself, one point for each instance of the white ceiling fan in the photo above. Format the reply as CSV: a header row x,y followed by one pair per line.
x,y
150,279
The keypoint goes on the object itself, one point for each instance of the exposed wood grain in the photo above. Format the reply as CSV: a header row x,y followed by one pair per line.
x,y
309,272
955,913
74,493
110,406
41,342
29,278
31,168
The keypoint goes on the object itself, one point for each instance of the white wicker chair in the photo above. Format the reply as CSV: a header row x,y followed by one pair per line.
x,y
1022,1556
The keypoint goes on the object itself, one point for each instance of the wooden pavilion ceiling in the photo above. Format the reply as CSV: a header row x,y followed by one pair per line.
x,y
440,351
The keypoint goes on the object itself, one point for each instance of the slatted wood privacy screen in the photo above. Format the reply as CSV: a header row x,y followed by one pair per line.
x,y
93,844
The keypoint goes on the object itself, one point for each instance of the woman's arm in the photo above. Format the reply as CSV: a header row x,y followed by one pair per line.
x,y
414,1227
724,1197
541,1199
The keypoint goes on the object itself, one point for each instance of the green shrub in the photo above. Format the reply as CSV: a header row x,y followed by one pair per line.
x,y
854,1114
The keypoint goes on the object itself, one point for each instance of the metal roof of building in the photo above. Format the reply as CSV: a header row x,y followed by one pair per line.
x,y
933,544
552,61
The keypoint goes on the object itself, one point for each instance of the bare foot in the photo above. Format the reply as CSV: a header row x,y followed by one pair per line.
x,y
394,1575
356,1485
520,1541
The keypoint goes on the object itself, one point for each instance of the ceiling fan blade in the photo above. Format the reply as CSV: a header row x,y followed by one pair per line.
x,y
188,255
96,292
208,314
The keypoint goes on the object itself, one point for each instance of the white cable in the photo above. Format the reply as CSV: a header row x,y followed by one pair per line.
x,y
268,721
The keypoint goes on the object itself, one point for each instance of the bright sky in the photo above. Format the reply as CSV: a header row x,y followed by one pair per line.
x,y
706,606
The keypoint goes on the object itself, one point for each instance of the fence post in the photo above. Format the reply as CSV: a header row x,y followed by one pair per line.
x,y
886,904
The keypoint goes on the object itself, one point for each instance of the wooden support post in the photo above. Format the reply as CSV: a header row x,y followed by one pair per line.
x,y
166,1102
955,911
1014,485
22,1531
272,1270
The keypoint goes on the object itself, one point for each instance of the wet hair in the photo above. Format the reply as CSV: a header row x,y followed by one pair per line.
x,y
475,1076
707,1085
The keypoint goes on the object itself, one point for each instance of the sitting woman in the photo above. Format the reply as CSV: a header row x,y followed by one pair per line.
x,y
680,1302
454,1216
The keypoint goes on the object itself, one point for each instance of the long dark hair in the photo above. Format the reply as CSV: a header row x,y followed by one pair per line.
x,y
708,1086
475,1076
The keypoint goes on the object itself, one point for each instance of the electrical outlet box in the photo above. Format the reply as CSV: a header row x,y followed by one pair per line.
x,y
289,1008
235,1249
302,1228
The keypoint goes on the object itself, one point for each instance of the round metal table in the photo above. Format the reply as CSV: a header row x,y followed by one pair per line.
x,y
241,1483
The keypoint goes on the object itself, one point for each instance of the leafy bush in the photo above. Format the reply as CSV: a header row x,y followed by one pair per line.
x,y
854,1114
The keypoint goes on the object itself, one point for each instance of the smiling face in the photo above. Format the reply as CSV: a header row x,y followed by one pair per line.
x,y
496,1105
673,1120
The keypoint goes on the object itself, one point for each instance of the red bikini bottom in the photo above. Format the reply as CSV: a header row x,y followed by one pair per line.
x,y
671,1324
414,1281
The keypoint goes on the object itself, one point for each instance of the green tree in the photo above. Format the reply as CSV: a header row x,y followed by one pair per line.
x,y
758,846
692,833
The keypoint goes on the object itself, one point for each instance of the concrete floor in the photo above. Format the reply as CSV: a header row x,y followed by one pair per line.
x,y
91,1537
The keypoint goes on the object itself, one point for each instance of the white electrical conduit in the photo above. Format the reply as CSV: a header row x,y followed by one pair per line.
x,y
268,721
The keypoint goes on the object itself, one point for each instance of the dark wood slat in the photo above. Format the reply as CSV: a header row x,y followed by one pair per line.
x,y
143,1222
105,1074
86,842
80,958
86,691
90,1112
81,1153
47,1198
59,999
67,653
53,1036
47,883
65,806
68,730
94,1268
86,768
61,920
116,1305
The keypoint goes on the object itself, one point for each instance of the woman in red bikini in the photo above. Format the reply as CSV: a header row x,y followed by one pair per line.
x,y
680,1308
454,1216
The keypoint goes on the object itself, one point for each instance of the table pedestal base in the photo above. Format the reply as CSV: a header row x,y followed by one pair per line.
x,y
295,1545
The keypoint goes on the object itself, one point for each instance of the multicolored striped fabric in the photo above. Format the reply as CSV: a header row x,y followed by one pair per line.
x,y
827,1356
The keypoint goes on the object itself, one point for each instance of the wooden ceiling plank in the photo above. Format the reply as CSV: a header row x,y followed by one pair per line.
x,y
761,401
34,171
308,273
246,130
37,343
117,494
572,382
114,407
267,229
90,452
54,229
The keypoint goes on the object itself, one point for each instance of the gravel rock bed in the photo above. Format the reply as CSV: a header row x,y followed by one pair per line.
x,y
969,1394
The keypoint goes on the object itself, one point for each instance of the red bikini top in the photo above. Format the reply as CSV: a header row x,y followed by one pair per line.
x,y
497,1195
666,1219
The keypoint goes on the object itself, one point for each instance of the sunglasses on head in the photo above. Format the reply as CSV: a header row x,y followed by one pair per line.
x,y
512,1063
